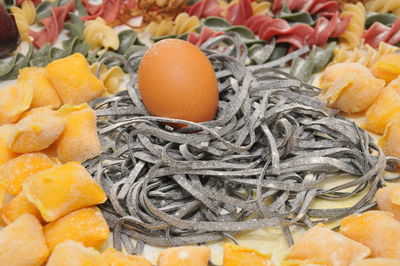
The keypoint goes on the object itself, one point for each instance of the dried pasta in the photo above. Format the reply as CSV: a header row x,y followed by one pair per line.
x,y
182,24
365,55
259,8
353,34
24,17
97,34
111,77
384,6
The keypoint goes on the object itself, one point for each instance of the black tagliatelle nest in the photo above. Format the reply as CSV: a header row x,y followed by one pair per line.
x,y
260,163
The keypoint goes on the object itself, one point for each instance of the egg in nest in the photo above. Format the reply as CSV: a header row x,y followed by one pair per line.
x,y
176,80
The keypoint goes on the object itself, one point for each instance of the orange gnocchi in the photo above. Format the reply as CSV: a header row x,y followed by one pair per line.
x,y
79,141
236,255
377,230
319,243
187,255
75,253
14,173
36,131
44,93
387,67
14,100
62,189
73,80
17,207
388,199
117,258
85,225
23,243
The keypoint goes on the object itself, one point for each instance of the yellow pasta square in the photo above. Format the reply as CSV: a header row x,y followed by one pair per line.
x,y
73,80
62,189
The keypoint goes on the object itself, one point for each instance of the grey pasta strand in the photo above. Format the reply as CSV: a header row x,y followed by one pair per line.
x,y
260,163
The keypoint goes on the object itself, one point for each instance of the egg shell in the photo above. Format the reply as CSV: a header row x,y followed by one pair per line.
x,y
176,80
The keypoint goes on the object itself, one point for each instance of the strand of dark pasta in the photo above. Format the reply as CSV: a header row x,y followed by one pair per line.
x,y
260,163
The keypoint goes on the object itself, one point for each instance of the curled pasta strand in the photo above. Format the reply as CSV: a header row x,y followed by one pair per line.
x,y
353,34
182,24
384,6
97,34
24,17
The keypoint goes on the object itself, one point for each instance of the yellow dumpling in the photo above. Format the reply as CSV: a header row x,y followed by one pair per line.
x,y
186,255
387,67
62,189
377,230
353,92
388,199
236,255
333,72
44,93
73,80
317,262
74,253
14,173
386,106
377,262
5,153
79,141
86,225
36,131
17,207
23,242
14,100
320,243
117,258
390,141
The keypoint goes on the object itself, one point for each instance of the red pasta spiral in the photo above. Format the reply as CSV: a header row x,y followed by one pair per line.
x,y
205,34
238,14
53,25
380,33
325,8
108,10
205,9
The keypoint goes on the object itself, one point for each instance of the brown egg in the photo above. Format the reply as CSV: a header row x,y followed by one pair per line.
x,y
176,80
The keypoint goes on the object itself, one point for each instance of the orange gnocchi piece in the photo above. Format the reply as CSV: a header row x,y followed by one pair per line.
x,y
63,189
305,263
36,131
14,173
14,100
353,92
17,207
23,243
320,243
377,262
386,106
5,153
73,80
44,93
79,141
74,253
388,199
236,255
387,67
378,230
85,225
187,255
333,72
390,141
117,258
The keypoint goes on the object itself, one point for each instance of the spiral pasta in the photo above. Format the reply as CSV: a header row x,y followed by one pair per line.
x,y
384,6
259,8
24,17
353,34
97,34
111,77
182,24
365,55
